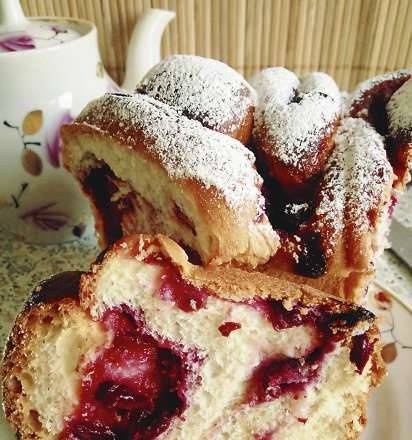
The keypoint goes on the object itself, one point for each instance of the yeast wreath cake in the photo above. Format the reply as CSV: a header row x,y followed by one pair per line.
x,y
146,345
277,176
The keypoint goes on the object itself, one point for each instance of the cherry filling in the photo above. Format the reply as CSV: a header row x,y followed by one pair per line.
x,y
174,288
275,377
228,327
289,211
99,186
362,348
266,436
312,260
281,318
392,205
135,386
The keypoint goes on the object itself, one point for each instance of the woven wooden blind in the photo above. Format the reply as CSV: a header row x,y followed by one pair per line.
x,y
350,39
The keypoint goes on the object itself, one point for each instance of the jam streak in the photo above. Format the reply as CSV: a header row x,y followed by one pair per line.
x,y
135,386
228,327
274,377
174,288
362,347
277,376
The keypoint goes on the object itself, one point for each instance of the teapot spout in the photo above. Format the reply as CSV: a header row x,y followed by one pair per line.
x,y
144,47
12,18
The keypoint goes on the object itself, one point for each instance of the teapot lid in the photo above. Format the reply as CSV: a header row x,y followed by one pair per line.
x,y
17,33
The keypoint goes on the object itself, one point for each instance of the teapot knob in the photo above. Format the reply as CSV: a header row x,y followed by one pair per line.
x,y
144,46
12,18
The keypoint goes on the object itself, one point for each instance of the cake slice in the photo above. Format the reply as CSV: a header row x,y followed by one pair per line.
x,y
148,346
148,169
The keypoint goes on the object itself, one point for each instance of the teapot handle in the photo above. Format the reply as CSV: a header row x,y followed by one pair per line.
x,y
144,46
12,18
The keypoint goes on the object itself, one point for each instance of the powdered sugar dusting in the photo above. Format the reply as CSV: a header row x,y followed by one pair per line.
x,y
185,148
319,82
202,89
275,84
359,92
399,110
357,175
295,116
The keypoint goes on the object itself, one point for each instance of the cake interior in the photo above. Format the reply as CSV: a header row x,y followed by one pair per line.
x,y
135,386
174,361
158,357
147,205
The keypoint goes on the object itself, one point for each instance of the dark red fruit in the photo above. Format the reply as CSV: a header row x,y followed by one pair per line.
x,y
275,312
275,377
175,289
266,436
289,212
362,348
89,431
100,189
134,388
228,327
392,204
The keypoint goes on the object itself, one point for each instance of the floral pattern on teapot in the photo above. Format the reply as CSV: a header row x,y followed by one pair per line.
x,y
41,89
37,36
45,216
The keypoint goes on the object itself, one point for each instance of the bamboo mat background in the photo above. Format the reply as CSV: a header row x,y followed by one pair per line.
x,y
350,39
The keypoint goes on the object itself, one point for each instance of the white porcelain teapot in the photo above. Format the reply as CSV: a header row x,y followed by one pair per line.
x,y
49,69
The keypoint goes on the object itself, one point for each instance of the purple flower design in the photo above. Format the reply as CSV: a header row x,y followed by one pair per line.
x,y
53,141
16,43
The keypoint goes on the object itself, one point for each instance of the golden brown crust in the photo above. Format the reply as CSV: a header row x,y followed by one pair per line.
x,y
294,180
227,282
295,121
55,296
344,278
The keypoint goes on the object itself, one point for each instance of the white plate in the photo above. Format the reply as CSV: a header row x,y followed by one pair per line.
x,y
390,408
